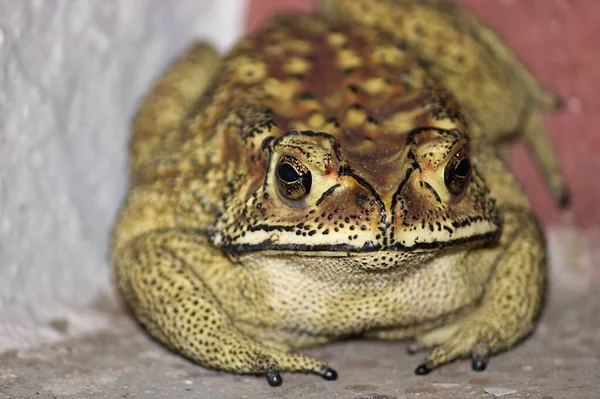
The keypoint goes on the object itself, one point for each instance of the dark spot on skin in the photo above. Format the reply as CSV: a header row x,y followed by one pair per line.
x,y
306,96
333,121
419,30
372,120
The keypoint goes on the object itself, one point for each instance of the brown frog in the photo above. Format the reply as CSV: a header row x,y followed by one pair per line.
x,y
337,176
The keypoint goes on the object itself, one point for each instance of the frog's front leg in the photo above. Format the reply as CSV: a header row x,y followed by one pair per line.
x,y
155,275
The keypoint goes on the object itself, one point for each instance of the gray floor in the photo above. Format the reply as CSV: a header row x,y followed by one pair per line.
x,y
562,360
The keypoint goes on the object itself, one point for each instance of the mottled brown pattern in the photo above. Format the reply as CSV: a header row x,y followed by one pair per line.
x,y
329,179
557,40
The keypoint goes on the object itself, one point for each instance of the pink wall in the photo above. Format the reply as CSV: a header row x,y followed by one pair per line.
x,y
560,41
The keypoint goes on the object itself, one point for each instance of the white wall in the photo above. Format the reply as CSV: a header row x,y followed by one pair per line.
x,y
71,73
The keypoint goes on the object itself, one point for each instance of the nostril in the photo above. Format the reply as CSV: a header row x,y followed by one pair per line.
x,y
362,196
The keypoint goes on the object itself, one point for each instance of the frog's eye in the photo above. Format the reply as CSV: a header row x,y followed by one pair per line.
x,y
458,173
293,178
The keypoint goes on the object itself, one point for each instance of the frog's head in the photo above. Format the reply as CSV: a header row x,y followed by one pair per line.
x,y
322,196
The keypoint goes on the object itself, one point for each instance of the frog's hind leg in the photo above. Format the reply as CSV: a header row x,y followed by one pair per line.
x,y
170,99
545,157
532,129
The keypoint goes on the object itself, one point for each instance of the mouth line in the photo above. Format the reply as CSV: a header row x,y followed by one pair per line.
x,y
305,248
369,247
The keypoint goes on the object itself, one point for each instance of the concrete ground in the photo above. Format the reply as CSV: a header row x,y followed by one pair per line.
x,y
561,360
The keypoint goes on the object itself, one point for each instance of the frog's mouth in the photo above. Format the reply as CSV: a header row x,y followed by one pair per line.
x,y
343,249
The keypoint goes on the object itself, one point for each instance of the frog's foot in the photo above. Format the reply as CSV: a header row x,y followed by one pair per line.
x,y
273,362
550,100
472,338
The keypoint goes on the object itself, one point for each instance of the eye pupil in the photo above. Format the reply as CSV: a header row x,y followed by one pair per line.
x,y
463,168
287,173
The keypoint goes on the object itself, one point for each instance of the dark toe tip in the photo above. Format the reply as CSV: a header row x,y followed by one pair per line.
x,y
274,379
422,369
479,364
411,351
564,199
559,103
329,374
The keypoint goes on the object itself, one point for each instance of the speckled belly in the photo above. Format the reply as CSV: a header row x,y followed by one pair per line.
x,y
338,295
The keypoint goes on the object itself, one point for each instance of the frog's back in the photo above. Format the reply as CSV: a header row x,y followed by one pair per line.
x,y
303,73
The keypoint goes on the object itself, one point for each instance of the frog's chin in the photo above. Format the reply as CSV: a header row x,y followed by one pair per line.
x,y
339,263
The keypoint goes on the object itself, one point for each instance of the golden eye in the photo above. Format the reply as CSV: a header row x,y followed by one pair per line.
x,y
293,178
457,174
